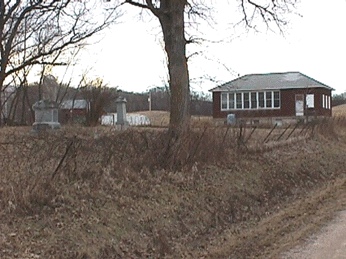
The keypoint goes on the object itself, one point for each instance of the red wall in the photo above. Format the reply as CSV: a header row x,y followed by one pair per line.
x,y
66,115
287,108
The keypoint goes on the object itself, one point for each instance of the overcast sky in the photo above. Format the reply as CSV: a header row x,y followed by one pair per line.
x,y
130,55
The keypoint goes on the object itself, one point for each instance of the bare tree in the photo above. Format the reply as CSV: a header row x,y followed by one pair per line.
x,y
38,31
98,98
171,15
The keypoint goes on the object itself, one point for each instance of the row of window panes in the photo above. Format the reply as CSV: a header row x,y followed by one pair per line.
x,y
250,100
325,101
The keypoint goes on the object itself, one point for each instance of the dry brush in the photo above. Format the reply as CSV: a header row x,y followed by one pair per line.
x,y
98,193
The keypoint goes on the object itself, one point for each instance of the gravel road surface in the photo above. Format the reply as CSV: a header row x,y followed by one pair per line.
x,y
330,243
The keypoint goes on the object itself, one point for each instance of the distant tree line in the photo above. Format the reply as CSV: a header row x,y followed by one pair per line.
x,y
160,101
43,33
339,99
17,101
100,99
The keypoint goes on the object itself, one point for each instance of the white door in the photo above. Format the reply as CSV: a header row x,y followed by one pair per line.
x,y
299,105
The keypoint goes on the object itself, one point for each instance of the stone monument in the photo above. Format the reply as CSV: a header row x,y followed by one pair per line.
x,y
46,116
121,112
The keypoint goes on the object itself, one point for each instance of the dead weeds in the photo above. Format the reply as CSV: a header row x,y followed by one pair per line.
x,y
98,193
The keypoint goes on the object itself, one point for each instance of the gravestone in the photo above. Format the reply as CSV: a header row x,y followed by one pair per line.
x,y
46,116
231,119
121,112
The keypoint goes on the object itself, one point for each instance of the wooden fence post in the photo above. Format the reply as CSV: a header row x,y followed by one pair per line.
x,y
270,132
289,135
253,130
283,132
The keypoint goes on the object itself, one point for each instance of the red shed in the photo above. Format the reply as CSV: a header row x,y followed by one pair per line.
x,y
73,111
272,97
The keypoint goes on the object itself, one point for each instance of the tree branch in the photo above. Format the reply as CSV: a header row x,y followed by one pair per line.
x,y
137,4
149,6
32,30
268,13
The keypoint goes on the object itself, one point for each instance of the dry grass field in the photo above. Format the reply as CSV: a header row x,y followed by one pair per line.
x,y
161,118
100,193
157,118
339,110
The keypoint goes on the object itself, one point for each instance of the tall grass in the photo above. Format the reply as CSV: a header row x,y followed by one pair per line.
x,y
35,163
102,193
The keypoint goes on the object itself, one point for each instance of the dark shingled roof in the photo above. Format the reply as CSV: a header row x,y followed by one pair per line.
x,y
271,81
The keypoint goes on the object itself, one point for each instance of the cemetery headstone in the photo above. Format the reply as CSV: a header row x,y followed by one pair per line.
x,y
46,116
121,112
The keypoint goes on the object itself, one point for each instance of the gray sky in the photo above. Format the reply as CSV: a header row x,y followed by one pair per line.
x,y
130,55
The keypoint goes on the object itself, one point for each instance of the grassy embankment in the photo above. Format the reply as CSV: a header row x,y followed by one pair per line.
x,y
86,194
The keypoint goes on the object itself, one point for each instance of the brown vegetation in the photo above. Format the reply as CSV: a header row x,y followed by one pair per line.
x,y
161,119
99,193
339,110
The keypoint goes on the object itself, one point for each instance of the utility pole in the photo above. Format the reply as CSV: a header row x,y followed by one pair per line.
x,y
149,100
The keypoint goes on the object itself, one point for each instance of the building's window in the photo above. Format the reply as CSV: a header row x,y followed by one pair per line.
x,y
261,99
231,101
224,101
239,101
276,99
246,100
326,101
254,100
329,103
310,101
268,99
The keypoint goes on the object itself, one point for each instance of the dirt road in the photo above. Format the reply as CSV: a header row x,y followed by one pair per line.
x,y
329,243
311,227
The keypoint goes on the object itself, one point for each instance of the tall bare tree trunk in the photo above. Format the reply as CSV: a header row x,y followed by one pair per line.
x,y
172,23
2,100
